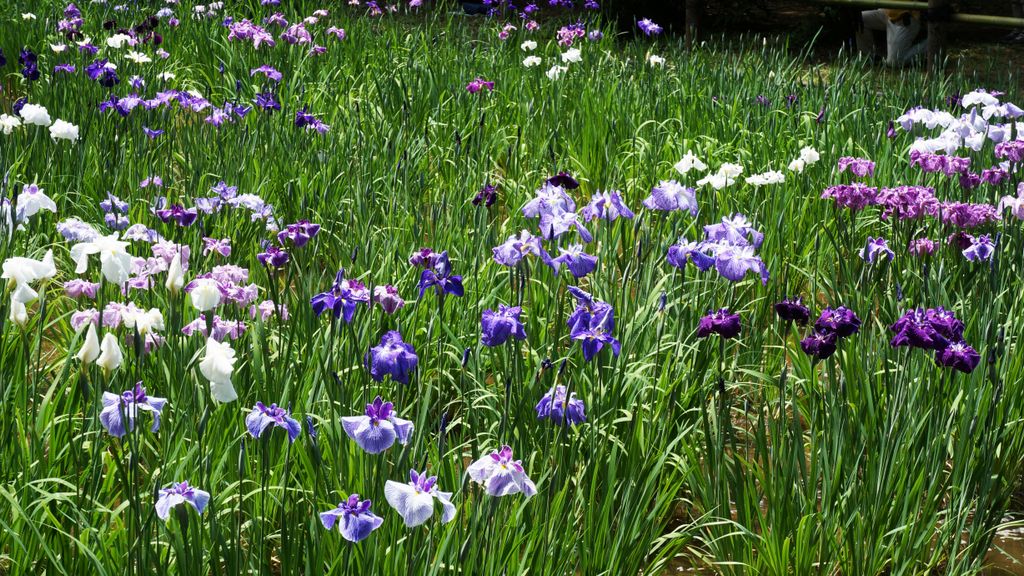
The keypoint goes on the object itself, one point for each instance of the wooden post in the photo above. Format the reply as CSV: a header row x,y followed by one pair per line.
x,y
938,12
694,9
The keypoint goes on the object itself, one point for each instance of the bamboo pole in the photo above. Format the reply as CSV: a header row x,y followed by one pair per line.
x,y
981,19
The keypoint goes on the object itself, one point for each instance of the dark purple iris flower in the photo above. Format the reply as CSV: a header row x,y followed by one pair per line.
x,y
793,310
841,321
273,256
299,233
820,344
486,196
181,215
915,329
592,328
341,299
722,322
563,180
440,278
478,84
267,101
959,356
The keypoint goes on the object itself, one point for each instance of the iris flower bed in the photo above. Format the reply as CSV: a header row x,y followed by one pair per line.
x,y
295,288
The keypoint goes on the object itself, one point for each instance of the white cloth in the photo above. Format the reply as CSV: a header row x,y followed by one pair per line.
x,y
900,47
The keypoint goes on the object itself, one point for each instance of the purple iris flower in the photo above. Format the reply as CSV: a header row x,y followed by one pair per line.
x,y
262,417
855,196
268,71
593,330
841,321
65,68
414,501
440,278
722,322
670,195
735,230
945,323
113,204
486,196
180,493
356,520
498,327
561,409
587,304
273,256
549,198
557,222
423,258
915,329
220,246
959,356
563,180
392,356
921,247
341,299
181,215
515,248
578,262
501,475
793,310
733,262
115,407
102,71
377,430
267,101
859,167
981,249
606,206
819,344
648,27
77,288
299,233
875,249
30,64
151,133
388,298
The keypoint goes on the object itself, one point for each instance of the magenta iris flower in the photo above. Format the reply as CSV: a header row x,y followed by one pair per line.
x,y
478,84
391,357
501,475
377,430
180,493
560,408
262,417
721,322
354,519
129,403
78,288
498,327
341,299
